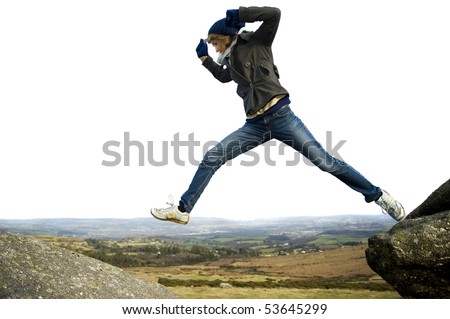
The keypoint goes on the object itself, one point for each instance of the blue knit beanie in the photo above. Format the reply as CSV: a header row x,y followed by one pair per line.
x,y
221,28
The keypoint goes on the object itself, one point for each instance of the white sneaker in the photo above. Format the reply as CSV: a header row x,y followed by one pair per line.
x,y
389,205
171,214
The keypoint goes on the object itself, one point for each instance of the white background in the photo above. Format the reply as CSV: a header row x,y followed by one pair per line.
x,y
76,74
337,308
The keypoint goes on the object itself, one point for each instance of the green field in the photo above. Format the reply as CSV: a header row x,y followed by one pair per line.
x,y
279,293
237,267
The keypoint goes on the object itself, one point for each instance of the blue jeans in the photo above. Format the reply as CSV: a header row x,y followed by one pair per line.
x,y
286,127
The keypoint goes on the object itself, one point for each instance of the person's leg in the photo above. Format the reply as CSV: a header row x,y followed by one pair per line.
x,y
288,128
238,142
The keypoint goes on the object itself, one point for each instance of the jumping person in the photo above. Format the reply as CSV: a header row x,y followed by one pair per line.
x,y
246,58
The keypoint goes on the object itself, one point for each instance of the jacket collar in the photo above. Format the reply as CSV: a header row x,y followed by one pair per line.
x,y
227,52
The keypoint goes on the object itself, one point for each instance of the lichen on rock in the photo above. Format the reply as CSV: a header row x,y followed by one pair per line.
x,y
31,268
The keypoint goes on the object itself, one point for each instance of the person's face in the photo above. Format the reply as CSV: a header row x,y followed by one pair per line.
x,y
220,45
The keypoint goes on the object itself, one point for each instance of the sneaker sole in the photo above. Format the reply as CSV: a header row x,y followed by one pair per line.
x,y
178,221
170,219
402,217
151,212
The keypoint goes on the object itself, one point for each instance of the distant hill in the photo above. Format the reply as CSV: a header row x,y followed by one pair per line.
x,y
198,227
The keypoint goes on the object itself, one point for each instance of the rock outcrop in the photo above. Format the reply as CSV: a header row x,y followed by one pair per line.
x,y
414,255
30,268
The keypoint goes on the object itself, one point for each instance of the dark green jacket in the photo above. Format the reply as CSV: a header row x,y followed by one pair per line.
x,y
251,62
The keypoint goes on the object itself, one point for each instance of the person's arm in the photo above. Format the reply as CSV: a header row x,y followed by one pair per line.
x,y
268,15
220,73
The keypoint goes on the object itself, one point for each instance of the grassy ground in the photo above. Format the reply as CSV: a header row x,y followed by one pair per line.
x,y
279,293
339,273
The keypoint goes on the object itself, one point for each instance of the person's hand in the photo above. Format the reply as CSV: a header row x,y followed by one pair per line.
x,y
202,49
232,20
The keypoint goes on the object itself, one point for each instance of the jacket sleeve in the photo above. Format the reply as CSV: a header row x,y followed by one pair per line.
x,y
268,15
220,73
